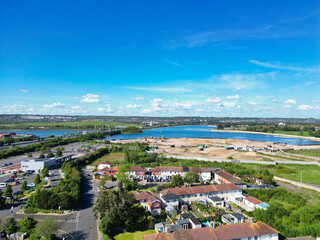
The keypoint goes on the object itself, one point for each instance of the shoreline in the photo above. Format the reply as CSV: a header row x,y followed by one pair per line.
x,y
271,134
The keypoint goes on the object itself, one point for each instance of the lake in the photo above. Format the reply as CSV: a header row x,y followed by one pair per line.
x,y
205,132
43,133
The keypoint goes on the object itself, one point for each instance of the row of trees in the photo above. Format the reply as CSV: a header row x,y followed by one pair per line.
x,y
290,213
15,140
64,196
53,142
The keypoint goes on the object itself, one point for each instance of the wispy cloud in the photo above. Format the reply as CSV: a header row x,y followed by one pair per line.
x,y
90,98
277,65
162,89
172,63
23,90
304,85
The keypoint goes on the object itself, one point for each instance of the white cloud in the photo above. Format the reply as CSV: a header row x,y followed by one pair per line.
x,y
278,65
172,63
139,98
229,104
15,108
290,101
235,97
183,106
275,101
23,90
102,110
267,108
75,107
143,111
90,98
162,89
157,104
307,107
316,101
253,103
133,106
214,100
54,105
78,109
287,106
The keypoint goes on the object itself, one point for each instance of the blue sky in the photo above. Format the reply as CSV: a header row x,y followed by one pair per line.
x,y
161,58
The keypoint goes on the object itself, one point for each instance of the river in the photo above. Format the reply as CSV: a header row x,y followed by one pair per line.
x,y
205,132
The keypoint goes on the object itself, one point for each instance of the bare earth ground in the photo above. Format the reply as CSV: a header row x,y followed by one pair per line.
x,y
216,148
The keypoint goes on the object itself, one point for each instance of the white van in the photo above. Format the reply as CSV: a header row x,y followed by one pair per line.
x,y
2,185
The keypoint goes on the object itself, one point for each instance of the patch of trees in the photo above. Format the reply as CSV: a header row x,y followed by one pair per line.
x,y
131,130
53,142
44,230
64,196
117,209
16,140
289,213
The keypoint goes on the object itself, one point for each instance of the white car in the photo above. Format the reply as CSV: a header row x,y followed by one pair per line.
x,y
31,185
20,178
2,185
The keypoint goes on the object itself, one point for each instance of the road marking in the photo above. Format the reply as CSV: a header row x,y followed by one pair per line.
x,y
77,220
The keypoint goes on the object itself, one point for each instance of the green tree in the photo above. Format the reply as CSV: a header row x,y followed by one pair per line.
x,y
37,180
24,186
176,180
9,225
59,152
102,182
50,155
27,224
45,172
46,228
29,155
2,200
8,191
191,177
123,177
41,156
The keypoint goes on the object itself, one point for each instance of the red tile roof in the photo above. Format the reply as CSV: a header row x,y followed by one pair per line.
x,y
224,232
200,189
229,177
253,200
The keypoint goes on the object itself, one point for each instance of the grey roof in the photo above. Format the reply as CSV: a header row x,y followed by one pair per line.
x,y
182,221
160,224
237,215
170,196
186,215
215,199
228,216
245,195
175,227
195,221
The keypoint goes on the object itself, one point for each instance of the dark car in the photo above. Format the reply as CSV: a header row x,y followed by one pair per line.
x,y
8,180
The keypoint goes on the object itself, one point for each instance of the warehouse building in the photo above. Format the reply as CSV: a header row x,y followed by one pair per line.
x,y
38,164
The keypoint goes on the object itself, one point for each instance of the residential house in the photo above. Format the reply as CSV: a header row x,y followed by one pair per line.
x,y
194,222
136,171
221,177
168,172
216,201
239,231
187,195
148,201
255,203
233,218
104,165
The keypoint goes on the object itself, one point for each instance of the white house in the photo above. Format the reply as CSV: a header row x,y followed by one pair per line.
x,y
104,165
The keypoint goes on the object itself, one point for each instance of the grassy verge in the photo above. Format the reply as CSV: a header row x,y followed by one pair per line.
x,y
66,125
312,153
310,173
134,236
295,133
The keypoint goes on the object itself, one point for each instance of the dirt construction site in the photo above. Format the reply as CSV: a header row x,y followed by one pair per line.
x,y
219,148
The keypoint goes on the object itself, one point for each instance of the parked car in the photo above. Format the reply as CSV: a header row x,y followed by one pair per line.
x,y
14,183
28,172
17,193
10,163
9,180
19,178
2,185
31,185
13,176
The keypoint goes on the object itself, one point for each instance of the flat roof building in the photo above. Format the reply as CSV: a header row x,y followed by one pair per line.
x,y
38,164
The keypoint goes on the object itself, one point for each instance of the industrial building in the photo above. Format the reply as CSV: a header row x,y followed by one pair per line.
x,y
38,164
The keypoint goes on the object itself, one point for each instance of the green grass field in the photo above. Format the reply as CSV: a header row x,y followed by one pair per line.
x,y
134,235
110,157
296,133
310,173
312,153
66,125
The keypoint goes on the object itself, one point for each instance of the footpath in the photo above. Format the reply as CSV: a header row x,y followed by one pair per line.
x,y
299,184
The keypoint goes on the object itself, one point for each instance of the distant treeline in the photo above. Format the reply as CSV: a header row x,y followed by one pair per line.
x,y
53,142
16,140
131,130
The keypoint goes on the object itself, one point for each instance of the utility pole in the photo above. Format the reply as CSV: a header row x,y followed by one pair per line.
x,y
301,176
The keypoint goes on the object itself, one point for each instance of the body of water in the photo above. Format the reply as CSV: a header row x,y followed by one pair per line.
x,y
205,132
43,133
